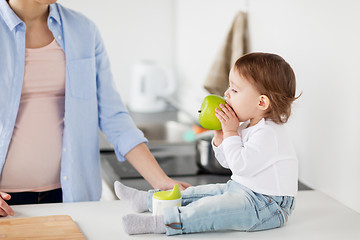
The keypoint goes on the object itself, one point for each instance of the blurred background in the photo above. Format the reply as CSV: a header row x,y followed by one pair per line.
x,y
320,39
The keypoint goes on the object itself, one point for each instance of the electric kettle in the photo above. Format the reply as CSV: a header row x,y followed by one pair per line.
x,y
150,84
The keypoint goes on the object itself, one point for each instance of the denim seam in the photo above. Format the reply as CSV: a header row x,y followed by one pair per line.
x,y
285,213
282,222
174,231
197,196
180,220
267,205
266,220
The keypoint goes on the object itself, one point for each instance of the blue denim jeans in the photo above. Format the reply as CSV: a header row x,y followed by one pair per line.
x,y
229,206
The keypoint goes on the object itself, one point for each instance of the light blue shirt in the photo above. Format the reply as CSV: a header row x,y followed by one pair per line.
x,y
91,101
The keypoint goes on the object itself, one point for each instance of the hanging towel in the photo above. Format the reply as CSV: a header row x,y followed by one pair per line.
x,y
235,45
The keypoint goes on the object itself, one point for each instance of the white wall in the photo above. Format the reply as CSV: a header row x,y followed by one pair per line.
x,y
133,30
201,28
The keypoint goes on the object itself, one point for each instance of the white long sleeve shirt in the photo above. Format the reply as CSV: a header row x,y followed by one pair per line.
x,y
261,158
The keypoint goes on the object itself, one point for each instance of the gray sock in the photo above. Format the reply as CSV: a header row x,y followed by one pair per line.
x,y
140,224
135,198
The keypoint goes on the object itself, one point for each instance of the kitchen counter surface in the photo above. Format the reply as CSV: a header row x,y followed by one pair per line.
x,y
316,216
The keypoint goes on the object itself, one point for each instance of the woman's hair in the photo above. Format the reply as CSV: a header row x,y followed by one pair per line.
x,y
272,76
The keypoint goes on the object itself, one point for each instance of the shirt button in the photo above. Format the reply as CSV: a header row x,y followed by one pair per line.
x,y
50,20
59,37
64,149
64,178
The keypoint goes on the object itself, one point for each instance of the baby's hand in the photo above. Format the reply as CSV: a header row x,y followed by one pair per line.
x,y
228,119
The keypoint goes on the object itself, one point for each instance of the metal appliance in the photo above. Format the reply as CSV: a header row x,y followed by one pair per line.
x,y
205,156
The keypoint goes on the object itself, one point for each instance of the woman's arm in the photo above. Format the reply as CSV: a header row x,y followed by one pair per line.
x,y
145,163
121,131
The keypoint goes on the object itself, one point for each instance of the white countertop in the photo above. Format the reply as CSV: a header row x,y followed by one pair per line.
x,y
316,216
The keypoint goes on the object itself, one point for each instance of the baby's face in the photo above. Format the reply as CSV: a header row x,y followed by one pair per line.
x,y
242,96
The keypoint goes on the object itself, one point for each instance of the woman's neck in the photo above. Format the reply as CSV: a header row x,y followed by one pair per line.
x,y
30,11
34,14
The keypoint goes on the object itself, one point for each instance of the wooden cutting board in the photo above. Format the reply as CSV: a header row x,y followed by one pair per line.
x,y
40,228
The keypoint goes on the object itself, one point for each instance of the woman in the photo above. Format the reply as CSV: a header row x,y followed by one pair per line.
x,y
56,89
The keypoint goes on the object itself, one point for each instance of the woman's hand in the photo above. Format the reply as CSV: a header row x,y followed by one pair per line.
x,y
144,162
169,184
4,207
228,119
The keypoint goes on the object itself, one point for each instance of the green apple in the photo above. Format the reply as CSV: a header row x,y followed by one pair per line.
x,y
207,118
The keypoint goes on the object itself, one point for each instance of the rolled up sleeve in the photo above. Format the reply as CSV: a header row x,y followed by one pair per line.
x,y
114,119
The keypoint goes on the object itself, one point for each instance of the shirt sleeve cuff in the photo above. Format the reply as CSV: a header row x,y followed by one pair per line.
x,y
216,148
133,138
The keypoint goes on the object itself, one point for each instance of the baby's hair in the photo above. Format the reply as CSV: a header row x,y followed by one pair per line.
x,y
272,76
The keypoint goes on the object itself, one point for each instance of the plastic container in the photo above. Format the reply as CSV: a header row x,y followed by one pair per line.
x,y
164,199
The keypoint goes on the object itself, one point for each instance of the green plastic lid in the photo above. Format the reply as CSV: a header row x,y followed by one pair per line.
x,y
168,195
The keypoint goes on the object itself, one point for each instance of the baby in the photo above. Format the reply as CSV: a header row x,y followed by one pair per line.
x,y
263,185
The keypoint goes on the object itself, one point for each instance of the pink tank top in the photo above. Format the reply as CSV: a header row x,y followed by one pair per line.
x,y
33,158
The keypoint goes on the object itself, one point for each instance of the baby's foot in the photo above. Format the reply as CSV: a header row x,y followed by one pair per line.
x,y
140,224
135,198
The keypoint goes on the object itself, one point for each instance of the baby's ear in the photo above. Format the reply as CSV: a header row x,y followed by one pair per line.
x,y
264,102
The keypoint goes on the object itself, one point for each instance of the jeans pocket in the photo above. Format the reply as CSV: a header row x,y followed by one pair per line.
x,y
82,77
275,220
